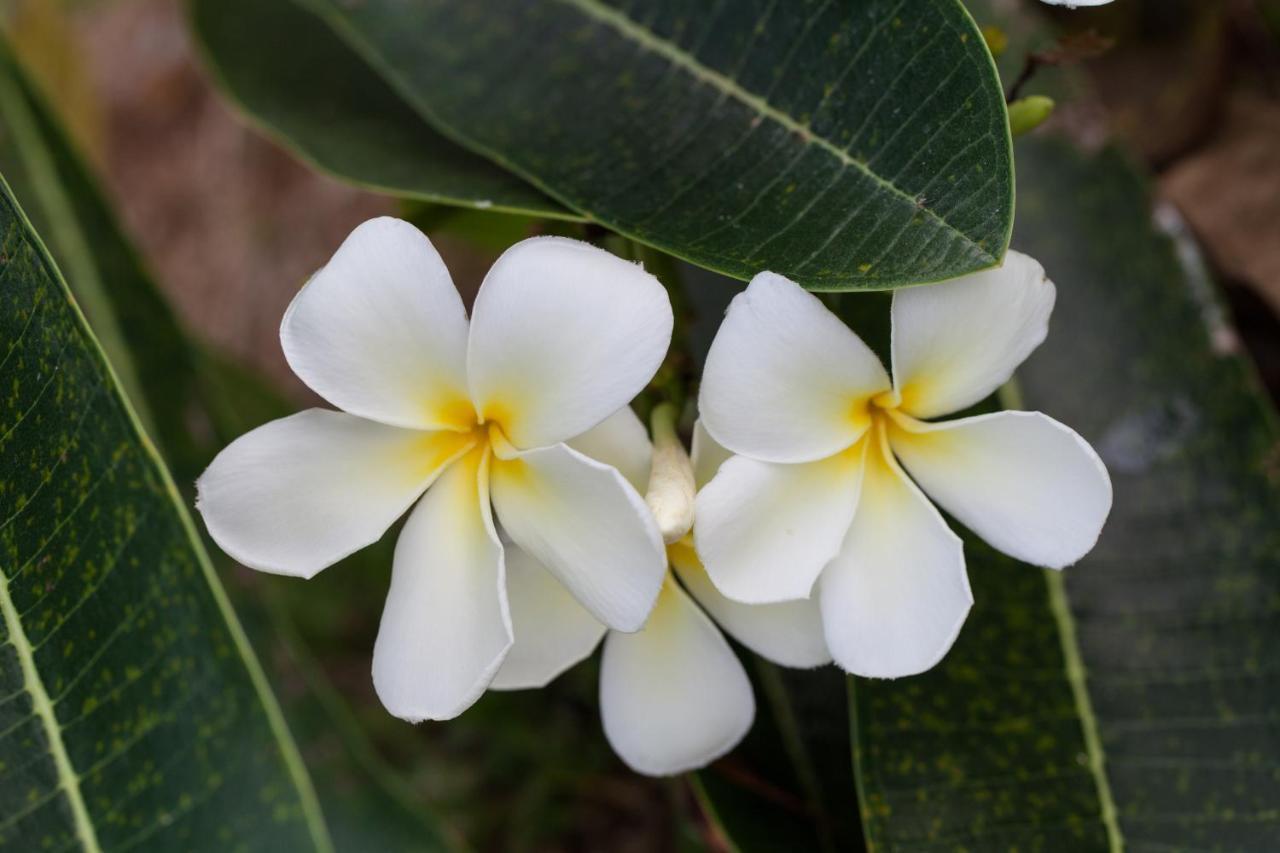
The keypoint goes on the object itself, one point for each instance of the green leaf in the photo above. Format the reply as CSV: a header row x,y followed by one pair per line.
x,y
844,145
1130,700
132,711
300,84
189,392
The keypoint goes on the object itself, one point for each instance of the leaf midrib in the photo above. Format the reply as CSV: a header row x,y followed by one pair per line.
x,y
68,778
1010,396
42,706
630,29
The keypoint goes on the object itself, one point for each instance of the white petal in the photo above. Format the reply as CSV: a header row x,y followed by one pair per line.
x,y
785,380
562,335
894,599
673,697
954,343
788,633
707,455
1022,481
381,332
765,531
588,526
298,494
552,630
621,441
445,627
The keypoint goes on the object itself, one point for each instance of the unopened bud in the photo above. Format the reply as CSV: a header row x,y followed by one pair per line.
x,y
671,484
1026,114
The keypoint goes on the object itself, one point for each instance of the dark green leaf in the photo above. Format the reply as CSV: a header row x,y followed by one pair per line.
x,y
845,145
132,712
299,83
200,401
1131,699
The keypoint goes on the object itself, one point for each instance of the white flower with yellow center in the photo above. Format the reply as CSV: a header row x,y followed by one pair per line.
x,y
818,492
673,696
473,414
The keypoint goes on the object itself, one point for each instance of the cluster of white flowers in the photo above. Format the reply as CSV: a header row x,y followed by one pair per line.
x,y
531,539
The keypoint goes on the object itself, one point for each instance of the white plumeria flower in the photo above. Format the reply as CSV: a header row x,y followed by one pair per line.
x,y
673,696
562,335
1072,4
819,494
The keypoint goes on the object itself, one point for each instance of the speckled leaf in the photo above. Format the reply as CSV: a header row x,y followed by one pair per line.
x,y
298,82
847,145
132,712
199,402
1132,699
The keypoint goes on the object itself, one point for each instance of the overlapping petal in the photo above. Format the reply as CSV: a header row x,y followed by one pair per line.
x,y
894,599
765,530
589,527
562,336
673,696
298,494
706,454
552,630
788,633
381,332
785,380
445,627
955,343
1022,481
621,441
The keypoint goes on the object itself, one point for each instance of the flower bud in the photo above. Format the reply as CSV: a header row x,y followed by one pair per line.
x,y
671,484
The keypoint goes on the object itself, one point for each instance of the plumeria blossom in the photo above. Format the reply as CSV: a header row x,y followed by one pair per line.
x,y
835,460
474,415
1072,4
673,696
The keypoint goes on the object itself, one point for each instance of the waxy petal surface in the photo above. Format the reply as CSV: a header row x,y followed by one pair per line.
x,y
445,627
381,332
765,531
673,697
298,494
786,380
589,527
563,335
894,599
956,342
1025,483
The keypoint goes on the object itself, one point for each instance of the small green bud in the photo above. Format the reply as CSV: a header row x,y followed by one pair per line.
x,y
1026,114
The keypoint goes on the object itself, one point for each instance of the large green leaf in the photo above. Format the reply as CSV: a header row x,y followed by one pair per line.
x,y
132,711
297,81
200,401
846,145
1129,700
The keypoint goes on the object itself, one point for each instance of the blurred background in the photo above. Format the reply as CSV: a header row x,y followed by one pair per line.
x,y
231,225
